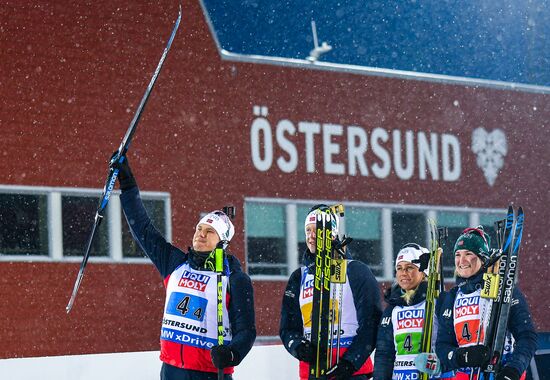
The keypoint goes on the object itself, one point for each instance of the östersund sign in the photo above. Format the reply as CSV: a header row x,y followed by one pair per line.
x,y
368,153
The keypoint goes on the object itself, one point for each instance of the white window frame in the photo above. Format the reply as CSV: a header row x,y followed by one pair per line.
x,y
113,222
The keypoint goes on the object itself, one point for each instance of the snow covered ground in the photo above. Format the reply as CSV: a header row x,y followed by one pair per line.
x,y
263,363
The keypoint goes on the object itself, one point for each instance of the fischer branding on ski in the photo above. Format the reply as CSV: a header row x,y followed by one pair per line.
x,y
329,278
321,294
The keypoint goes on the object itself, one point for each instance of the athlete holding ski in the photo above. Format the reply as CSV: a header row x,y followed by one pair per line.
x,y
360,303
400,331
458,345
189,344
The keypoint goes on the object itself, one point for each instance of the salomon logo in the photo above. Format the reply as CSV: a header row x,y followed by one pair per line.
x,y
510,278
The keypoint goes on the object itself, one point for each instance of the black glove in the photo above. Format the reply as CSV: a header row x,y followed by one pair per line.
x,y
125,177
223,356
424,261
473,356
304,351
341,371
508,373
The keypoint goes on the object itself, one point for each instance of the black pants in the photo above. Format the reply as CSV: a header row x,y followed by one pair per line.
x,y
168,372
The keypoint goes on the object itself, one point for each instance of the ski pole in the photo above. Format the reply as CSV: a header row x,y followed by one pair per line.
x,y
332,322
119,158
338,278
339,333
218,254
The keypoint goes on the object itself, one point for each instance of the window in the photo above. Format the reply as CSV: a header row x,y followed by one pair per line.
x,y
275,239
156,210
301,213
488,222
540,364
55,223
23,225
78,213
455,222
408,227
363,225
266,244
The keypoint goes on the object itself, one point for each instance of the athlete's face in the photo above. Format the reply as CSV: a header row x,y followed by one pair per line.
x,y
467,263
408,276
205,238
311,237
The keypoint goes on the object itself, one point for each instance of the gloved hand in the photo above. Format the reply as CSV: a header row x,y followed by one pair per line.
x,y
304,351
341,371
125,177
428,363
508,373
223,356
473,356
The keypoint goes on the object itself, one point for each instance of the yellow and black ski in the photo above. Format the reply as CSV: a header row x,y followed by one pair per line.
x,y
435,286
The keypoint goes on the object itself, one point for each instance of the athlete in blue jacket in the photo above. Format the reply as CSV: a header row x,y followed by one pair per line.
x,y
360,317
401,327
459,317
189,349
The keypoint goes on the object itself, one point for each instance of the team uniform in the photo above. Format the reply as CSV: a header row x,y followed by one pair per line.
x,y
399,341
400,335
360,315
459,322
189,324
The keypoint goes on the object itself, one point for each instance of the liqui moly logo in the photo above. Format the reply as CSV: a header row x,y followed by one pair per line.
x,y
408,319
307,289
193,281
467,306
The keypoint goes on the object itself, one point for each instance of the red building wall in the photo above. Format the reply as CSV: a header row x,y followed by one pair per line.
x,y
72,77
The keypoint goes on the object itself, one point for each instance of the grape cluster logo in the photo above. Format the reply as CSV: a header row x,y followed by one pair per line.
x,y
490,149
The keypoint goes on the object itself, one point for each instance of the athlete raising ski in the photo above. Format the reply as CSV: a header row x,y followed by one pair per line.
x,y
458,346
360,302
188,341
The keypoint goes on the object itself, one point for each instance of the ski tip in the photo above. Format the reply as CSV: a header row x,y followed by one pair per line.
x,y
69,306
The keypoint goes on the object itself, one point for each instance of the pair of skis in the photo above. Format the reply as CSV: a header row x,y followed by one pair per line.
x,y
499,283
435,287
329,277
